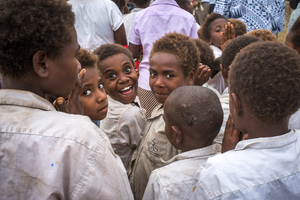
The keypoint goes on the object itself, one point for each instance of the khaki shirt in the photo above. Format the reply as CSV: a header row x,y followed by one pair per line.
x,y
147,157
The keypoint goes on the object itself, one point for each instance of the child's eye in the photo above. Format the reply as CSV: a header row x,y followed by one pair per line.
x,y
127,70
219,30
170,75
100,86
111,76
87,92
153,74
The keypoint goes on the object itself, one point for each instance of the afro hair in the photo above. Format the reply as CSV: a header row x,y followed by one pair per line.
x,y
265,34
239,26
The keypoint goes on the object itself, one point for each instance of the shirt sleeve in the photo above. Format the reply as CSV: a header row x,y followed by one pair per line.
x,y
154,189
115,17
223,7
134,36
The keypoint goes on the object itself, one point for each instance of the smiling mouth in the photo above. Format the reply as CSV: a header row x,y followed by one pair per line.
x,y
127,90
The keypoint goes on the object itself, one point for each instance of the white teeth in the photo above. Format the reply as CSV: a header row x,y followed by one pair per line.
x,y
126,88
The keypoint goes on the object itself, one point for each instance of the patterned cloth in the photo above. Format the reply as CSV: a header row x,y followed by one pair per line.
x,y
256,14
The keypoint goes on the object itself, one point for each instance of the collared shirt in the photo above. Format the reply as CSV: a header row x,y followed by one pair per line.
x,y
123,125
95,22
173,180
46,154
128,21
261,168
152,23
147,157
256,14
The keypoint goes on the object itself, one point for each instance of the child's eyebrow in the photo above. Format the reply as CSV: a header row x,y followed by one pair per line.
x,y
107,70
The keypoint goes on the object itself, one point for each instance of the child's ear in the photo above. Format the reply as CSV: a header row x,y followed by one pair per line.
x,y
40,65
191,76
209,41
224,71
236,103
177,134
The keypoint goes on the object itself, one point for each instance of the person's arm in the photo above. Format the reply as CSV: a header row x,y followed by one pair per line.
x,y
120,36
135,50
294,3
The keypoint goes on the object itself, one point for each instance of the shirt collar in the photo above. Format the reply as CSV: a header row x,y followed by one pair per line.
x,y
157,111
204,152
268,142
25,99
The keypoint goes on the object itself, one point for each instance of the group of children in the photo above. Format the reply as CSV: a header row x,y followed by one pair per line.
x,y
241,106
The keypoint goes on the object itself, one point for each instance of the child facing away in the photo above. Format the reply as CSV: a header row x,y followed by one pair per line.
x,y
264,92
92,93
47,154
173,62
125,121
191,126
263,34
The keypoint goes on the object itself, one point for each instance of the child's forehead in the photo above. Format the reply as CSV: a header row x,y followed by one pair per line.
x,y
218,22
114,60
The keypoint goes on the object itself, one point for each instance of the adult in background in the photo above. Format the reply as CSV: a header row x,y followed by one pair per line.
x,y
256,14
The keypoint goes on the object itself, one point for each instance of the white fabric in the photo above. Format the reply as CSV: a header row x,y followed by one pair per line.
x,y
217,51
95,22
173,180
127,20
294,122
123,125
217,82
261,168
46,154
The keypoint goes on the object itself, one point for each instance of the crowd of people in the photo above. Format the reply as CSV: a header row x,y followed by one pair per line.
x,y
171,99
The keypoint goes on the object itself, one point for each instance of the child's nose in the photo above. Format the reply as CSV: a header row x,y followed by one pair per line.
x,y
124,79
159,82
100,96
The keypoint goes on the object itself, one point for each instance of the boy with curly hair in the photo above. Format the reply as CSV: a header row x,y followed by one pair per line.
x,y
173,62
263,34
191,126
47,154
264,92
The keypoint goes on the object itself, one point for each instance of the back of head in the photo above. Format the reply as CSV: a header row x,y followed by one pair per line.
x,y
206,53
196,111
107,50
265,75
265,34
204,31
185,5
234,46
181,46
31,25
141,3
239,26
87,59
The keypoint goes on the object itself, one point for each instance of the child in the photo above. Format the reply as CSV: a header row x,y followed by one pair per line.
x,y
173,62
265,34
47,154
125,121
264,92
191,126
92,93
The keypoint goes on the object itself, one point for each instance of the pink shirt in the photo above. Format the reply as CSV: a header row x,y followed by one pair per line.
x,y
150,24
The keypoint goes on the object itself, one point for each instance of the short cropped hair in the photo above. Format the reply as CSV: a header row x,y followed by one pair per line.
x,y
87,59
206,53
204,31
295,31
107,50
199,114
265,75
239,26
28,26
265,34
180,45
234,46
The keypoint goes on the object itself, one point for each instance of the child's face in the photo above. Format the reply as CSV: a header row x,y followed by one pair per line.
x,y
216,27
119,78
93,95
165,75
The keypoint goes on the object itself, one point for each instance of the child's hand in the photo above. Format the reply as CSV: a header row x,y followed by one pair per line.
x,y
227,35
74,104
202,75
231,136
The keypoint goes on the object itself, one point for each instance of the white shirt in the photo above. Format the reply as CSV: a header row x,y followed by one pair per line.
x,y
217,82
173,180
46,154
128,21
95,22
294,122
123,125
261,168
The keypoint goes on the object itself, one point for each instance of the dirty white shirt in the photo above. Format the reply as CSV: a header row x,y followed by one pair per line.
x,y
46,154
95,22
124,125
173,180
261,168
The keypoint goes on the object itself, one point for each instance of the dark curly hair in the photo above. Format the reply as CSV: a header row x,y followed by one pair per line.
x,y
239,26
206,53
31,25
265,75
180,45
295,34
234,46
87,59
141,3
265,34
204,31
